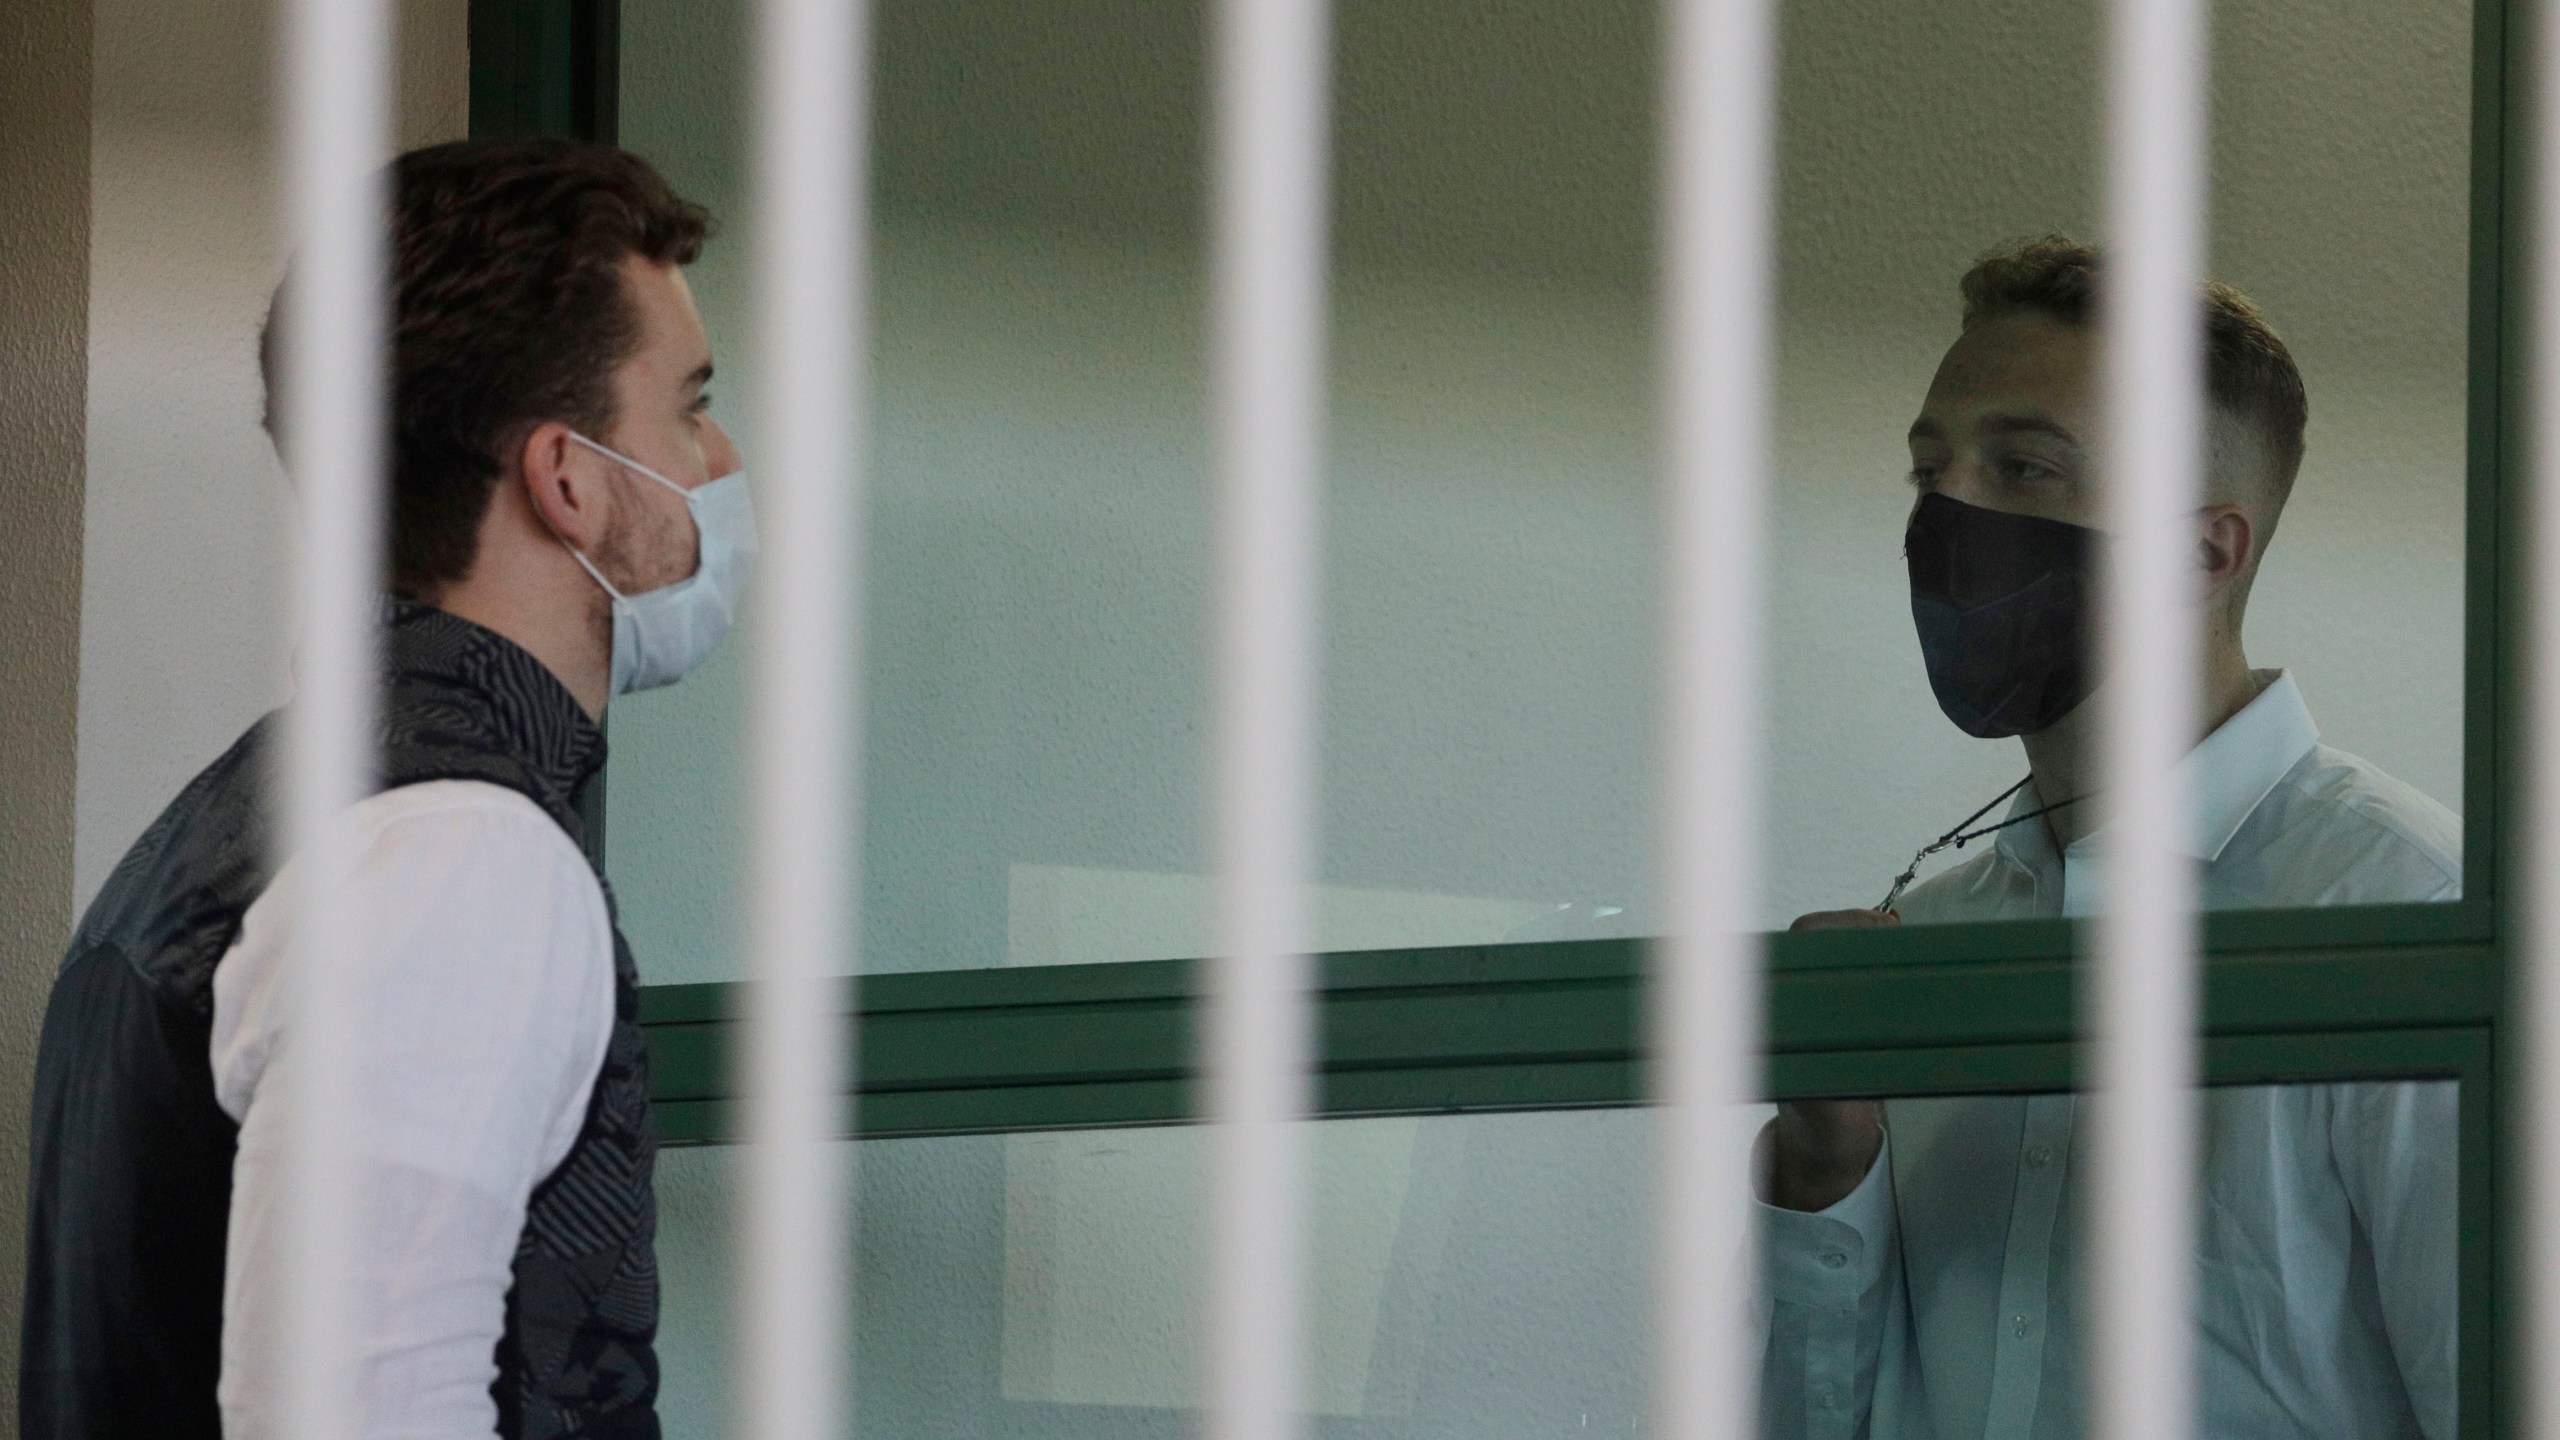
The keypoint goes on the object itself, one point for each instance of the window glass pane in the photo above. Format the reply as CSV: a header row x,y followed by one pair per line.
x,y
1920,139
2327,1283
1038,583
1471,1276
1485,1276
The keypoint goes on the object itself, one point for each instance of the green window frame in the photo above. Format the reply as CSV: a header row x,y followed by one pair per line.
x,y
2404,991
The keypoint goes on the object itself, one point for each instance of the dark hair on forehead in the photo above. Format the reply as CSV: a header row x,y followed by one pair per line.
x,y
509,309
2248,371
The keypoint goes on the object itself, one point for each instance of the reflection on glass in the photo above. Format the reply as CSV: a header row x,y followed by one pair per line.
x,y
1484,1277
1037,581
1478,1277
1894,185
2003,548
1939,1295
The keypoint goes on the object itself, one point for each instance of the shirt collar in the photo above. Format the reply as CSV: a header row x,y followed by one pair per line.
x,y
2227,776
2239,763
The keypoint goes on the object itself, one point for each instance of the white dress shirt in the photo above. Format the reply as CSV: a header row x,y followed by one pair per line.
x,y
485,1001
1939,1299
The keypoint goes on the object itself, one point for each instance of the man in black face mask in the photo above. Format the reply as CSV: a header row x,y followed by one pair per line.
x,y
1922,1257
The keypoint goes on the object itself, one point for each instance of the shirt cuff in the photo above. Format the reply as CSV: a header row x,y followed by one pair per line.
x,y
1830,1258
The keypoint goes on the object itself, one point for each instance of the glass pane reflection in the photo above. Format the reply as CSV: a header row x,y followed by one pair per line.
x,y
1485,1276
1038,582
1941,1295
2360,597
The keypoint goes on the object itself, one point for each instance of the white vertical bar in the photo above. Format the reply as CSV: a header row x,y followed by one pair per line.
x,y
335,77
1720,80
2537,875
1269,64
811,167
2144,1016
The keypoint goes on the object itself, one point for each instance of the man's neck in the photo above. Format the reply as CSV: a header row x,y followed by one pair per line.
x,y
572,643
525,584
2065,756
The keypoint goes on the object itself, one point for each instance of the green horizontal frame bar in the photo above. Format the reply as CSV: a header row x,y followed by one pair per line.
x,y
1481,1028
546,67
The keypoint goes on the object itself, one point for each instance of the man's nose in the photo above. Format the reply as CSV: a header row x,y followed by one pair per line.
x,y
720,456
1961,480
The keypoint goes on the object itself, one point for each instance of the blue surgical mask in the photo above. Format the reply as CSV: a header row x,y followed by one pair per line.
x,y
663,635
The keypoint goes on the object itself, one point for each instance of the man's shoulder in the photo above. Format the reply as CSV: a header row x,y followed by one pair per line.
x,y
471,905
474,833
457,801
444,855
1981,887
2338,830
174,899
449,852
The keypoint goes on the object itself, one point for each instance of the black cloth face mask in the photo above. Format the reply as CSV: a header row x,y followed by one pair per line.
x,y
2002,605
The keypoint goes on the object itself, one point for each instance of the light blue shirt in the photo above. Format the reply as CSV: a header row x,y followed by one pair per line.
x,y
1940,1299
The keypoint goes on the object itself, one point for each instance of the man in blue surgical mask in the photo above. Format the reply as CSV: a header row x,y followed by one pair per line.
x,y
1923,1256
567,523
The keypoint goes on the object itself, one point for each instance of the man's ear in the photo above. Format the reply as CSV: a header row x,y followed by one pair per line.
x,y
564,481
2226,545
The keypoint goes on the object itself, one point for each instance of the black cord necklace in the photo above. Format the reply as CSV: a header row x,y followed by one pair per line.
x,y
1959,837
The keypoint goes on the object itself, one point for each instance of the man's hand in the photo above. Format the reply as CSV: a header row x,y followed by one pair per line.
x,y
1846,920
1818,1150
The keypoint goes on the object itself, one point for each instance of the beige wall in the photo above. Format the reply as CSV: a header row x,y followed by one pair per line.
x,y
44,257
182,633
138,621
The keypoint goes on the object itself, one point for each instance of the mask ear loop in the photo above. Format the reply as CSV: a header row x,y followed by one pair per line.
x,y
626,461
617,457
619,601
621,459
590,567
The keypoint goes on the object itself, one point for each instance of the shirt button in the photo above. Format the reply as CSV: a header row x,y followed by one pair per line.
x,y
2018,1326
1831,1397
2039,1156
1833,1260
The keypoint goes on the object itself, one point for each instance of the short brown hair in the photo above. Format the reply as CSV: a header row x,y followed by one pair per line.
x,y
2248,371
509,309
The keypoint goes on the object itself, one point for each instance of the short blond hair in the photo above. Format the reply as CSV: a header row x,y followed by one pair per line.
x,y
2248,370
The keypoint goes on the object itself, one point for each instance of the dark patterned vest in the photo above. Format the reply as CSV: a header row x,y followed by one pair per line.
x,y
130,1170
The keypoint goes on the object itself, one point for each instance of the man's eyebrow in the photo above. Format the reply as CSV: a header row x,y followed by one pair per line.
x,y
700,377
1924,428
2027,425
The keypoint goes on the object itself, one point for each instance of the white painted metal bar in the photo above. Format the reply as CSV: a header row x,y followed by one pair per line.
x,y
335,77
2538,873
2144,988
1269,65
811,373
1717,291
